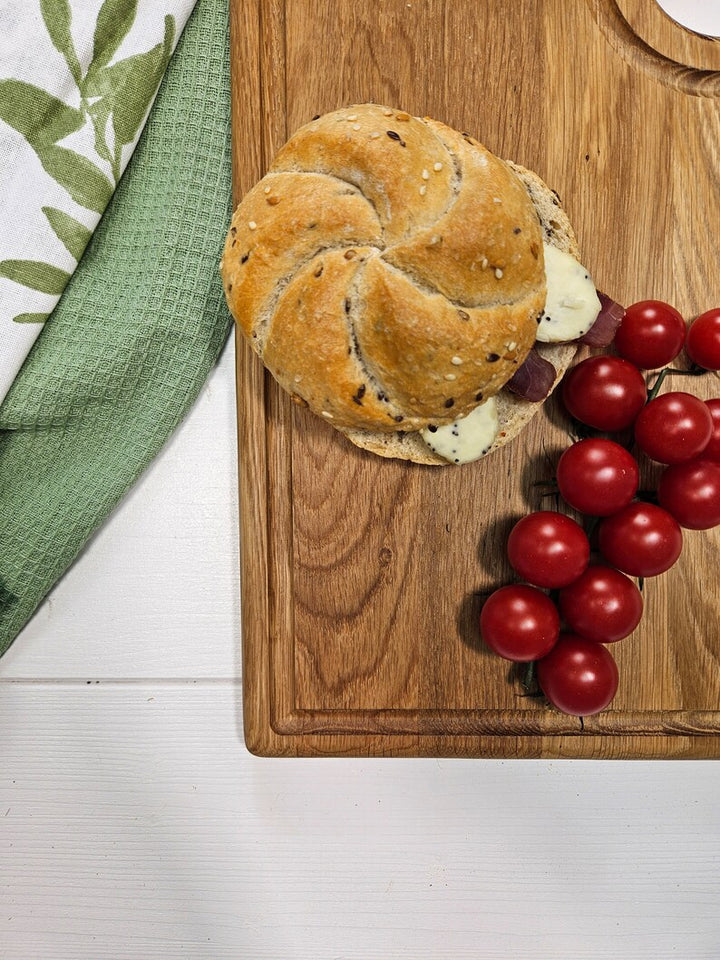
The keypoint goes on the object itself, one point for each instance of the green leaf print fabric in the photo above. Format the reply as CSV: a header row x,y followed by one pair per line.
x,y
141,320
77,80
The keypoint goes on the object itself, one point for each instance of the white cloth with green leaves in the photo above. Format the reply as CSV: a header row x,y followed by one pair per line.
x,y
77,79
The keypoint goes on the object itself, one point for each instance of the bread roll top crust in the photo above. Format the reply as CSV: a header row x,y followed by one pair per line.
x,y
388,269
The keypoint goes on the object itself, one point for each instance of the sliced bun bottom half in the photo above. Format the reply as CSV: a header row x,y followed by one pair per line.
x,y
514,412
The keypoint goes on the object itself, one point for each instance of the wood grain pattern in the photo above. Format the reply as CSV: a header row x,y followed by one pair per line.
x,y
362,578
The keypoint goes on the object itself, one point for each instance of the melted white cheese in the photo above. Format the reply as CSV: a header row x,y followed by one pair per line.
x,y
571,308
468,438
571,304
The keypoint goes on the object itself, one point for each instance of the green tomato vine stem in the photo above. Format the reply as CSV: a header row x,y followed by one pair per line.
x,y
693,371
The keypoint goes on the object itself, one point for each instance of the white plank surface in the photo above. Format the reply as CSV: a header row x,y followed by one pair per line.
x,y
156,593
133,824
702,16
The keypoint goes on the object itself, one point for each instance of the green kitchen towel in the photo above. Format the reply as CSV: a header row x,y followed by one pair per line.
x,y
135,335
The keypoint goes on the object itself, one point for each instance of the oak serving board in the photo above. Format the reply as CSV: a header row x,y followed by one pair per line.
x,y
362,578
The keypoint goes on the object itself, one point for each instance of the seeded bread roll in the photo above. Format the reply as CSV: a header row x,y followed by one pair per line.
x,y
514,412
389,271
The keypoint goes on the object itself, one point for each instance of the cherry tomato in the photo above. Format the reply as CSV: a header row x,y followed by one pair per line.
x,y
519,623
641,540
703,340
597,476
673,427
548,549
602,605
604,392
651,334
578,676
712,450
691,493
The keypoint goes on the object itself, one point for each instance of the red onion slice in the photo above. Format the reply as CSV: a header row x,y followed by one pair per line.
x,y
602,332
534,379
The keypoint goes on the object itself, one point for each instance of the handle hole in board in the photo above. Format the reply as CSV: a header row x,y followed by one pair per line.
x,y
700,16
647,38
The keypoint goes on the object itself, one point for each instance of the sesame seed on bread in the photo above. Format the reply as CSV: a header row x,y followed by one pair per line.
x,y
514,412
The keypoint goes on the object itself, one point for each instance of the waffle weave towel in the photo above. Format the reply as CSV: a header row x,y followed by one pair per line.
x,y
134,336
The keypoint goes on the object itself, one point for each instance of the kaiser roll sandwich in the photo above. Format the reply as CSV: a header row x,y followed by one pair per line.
x,y
412,289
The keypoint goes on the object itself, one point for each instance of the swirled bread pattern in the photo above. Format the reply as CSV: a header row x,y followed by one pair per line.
x,y
388,270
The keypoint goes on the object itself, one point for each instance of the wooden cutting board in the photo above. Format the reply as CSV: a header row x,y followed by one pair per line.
x,y
362,578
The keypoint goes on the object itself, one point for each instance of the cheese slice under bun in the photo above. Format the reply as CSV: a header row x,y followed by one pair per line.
x,y
390,273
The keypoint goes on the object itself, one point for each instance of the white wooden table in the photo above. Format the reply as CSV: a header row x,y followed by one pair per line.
x,y
135,824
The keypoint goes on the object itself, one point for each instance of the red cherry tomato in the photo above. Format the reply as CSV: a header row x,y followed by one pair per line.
x,y
673,427
712,450
691,493
597,477
548,549
519,623
703,340
641,539
578,676
604,392
651,334
602,605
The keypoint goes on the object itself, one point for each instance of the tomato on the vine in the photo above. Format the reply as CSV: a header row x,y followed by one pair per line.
x,y
598,604
548,549
641,539
673,427
578,676
519,623
602,604
712,450
604,392
703,340
691,493
597,476
651,334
